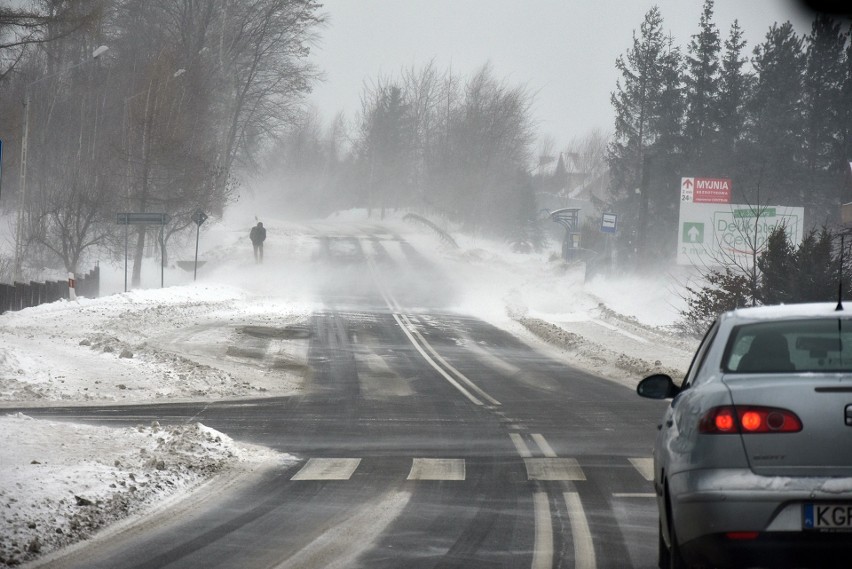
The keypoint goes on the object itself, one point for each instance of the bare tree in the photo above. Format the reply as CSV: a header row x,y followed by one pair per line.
x,y
22,27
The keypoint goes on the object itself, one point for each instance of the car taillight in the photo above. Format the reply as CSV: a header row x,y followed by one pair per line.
x,y
730,419
742,535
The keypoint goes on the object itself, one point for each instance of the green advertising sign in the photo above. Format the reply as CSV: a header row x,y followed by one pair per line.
x,y
765,212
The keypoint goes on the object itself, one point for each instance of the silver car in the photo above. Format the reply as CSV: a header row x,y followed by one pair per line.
x,y
753,461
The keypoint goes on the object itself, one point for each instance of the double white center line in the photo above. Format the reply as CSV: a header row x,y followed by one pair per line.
x,y
551,467
453,376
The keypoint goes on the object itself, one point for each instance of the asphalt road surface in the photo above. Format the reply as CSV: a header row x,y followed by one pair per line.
x,y
425,439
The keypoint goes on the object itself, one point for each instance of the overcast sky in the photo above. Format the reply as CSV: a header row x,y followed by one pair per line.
x,y
562,50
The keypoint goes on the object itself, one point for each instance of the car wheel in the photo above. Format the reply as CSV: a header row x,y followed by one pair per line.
x,y
675,558
663,561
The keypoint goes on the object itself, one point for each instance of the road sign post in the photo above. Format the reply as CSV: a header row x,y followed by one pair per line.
x,y
198,217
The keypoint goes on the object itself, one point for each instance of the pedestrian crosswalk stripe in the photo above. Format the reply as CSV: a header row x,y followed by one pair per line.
x,y
520,445
437,469
645,466
553,469
538,468
328,469
545,447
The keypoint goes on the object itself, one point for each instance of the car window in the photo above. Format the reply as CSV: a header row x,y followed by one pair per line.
x,y
700,355
810,345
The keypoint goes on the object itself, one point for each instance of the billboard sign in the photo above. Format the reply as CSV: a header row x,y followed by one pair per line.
x,y
721,234
712,231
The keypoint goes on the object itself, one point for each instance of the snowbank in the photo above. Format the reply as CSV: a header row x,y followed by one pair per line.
x,y
138,347
61,482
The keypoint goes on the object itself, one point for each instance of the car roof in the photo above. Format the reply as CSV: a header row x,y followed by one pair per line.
x,y
785,311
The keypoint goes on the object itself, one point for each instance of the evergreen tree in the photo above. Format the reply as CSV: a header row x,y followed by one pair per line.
x,y
815,274
634,100
776,119
845,105
723,290
637,101
702,92
662,190
385,146
822,107
735,85
777,266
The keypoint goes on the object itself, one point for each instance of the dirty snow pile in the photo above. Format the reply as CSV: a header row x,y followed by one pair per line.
x,y
61,482
142,346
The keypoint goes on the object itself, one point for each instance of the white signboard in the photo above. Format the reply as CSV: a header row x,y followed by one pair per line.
x,y
609,223
721,234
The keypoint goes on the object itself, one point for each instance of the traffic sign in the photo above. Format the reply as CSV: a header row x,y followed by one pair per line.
x,y
609,223
148,218
199,217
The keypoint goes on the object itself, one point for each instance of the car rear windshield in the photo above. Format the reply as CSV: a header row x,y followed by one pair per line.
x,y
816,345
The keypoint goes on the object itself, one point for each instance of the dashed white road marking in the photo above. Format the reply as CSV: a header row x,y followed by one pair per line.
x,y
634,495
543,548
584,548
520,445
437,469
328,469
645,466
545,447
553,469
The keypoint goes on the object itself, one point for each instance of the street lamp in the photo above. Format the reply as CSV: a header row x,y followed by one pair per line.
x,y
24,144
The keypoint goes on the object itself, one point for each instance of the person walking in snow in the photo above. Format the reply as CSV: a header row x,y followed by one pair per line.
x,y
258,236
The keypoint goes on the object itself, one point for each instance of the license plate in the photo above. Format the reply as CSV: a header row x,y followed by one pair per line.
x,y
827,517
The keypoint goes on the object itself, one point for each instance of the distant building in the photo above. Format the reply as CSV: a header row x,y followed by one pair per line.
x,y
564,183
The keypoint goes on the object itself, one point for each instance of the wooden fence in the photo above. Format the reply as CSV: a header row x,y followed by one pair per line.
x,y
18,296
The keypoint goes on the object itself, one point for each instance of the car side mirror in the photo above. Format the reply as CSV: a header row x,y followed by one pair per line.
x,y
657,386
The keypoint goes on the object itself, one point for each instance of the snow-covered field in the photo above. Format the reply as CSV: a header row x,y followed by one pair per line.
x,y
61,482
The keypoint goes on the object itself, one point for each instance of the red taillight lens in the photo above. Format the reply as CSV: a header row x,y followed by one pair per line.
x,y
751,421
748,419
742,535
725,421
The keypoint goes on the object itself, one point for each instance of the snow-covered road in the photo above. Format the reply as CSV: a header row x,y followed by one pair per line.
x,y
60,482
